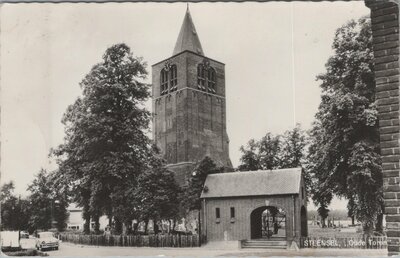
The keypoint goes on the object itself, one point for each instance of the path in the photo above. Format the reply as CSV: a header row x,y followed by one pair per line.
x,y
67,249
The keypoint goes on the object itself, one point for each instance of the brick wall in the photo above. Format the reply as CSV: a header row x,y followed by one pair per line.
x,y
385,28
189,124
219,230
182,171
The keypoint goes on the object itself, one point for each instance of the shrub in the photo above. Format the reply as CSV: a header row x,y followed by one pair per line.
x,y
29,252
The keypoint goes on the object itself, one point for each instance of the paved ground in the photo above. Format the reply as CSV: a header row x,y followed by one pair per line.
x,y
67,249
27,243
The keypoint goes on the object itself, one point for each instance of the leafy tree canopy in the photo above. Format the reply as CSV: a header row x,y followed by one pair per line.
x,y
274,151
48,203
344,156
192,192
157,195
7,191
15,210
106,146
250,159
41,198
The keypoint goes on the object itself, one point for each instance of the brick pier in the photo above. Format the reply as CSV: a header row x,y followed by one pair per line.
x,y
385,29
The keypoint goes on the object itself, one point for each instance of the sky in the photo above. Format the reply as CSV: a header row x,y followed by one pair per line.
x,y
272,51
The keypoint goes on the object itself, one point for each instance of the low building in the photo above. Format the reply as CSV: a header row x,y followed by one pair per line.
x,y
254,204
75,220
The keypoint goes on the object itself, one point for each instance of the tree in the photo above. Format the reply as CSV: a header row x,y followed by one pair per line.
x,y
250,159
351,206
61,199
41,198
275,151
49,202
14,210
344,150
106,146
270,151
157,195
323,212
293,146
192,192
7,191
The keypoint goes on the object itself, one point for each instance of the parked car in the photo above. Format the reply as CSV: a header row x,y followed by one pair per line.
x,y
46,240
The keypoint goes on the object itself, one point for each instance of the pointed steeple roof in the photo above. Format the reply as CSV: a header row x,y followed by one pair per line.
x,y
188,38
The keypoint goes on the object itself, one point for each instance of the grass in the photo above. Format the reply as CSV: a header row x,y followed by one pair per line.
x,y
316,231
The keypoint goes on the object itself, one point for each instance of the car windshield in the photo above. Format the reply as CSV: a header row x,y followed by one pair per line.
x,y
45,234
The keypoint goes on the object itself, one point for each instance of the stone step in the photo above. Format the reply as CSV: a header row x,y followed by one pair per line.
x,y
267,244
268,239
264,247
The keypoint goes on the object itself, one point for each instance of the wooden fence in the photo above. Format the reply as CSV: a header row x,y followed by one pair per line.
x,y
133,240
376,242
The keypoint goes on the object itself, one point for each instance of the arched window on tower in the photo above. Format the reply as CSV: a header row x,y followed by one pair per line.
x,y
164,82
201,78
173,78
211,80
206,78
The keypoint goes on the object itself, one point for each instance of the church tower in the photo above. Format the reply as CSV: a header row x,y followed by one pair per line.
x,y
189,105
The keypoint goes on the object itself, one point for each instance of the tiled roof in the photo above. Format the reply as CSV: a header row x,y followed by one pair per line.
x,y
253,183
188,38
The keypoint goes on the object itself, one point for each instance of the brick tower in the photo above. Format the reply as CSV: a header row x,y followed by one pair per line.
x,y
189,105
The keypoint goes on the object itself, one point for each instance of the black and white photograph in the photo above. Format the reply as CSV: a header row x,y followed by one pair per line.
x,y
200,129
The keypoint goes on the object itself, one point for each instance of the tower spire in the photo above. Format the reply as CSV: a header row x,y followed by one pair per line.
x,y
188,38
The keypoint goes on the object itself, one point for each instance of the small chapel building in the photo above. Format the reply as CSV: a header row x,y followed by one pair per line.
x,y
267,204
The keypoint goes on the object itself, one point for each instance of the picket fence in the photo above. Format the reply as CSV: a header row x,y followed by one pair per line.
x,y
375,242
133,240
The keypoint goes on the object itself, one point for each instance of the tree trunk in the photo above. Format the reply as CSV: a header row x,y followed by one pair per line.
x,y
169,226
155,227
96,224
86,225
379,223
198,224
368,228
162,223
124,229
172,230
186,223
128,227
109,220
146,224
86,217
323,224
135,227
118,226
109,215
352,220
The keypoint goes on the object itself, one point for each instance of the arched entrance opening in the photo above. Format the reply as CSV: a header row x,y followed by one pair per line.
x,y
268,222
303,218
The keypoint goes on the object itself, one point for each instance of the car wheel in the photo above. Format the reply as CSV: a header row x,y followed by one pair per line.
x,y
56,248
